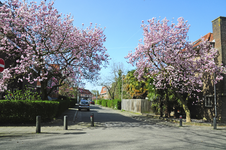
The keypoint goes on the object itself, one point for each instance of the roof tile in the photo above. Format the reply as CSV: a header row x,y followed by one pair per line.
x,y
208,37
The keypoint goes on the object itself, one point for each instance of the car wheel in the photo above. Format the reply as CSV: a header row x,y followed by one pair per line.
x,y
88,109
79,109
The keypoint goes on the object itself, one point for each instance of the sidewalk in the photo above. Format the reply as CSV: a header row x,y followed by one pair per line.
x,y
55,126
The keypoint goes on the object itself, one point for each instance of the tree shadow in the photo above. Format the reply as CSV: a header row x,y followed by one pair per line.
x,y
113,120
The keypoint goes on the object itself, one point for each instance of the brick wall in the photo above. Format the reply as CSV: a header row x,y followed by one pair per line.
x,y
219,35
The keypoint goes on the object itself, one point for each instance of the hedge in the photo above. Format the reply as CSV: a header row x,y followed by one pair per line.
x,y
21,111
115,104
73,101
65,103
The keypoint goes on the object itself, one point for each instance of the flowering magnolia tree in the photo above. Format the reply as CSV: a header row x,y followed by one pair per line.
x,y
173,62
37,36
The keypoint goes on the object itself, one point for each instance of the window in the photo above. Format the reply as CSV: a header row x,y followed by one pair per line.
x,y
49,83
208,100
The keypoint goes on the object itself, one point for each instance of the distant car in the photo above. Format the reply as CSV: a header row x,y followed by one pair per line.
x,y
84,104
92,102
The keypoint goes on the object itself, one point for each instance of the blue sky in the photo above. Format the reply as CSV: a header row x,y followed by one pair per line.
x,y
122,19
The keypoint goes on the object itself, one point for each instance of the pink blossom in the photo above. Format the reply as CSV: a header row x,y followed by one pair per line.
x,y
51,39
171,59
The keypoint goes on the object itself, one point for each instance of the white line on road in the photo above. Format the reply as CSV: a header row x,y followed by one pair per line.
x,y
75,116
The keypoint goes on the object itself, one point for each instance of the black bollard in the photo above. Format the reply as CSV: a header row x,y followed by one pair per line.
x,y
92,120
38,124
180,120
65,122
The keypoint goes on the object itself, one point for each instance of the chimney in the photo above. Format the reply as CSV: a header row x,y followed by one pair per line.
x,y
219,36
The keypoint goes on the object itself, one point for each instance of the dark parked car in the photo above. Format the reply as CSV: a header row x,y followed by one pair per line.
x,y
92,102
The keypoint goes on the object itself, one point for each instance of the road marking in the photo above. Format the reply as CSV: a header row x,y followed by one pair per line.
x,y
75,115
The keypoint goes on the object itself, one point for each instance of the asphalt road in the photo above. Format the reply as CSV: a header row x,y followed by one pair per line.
x,y
116,130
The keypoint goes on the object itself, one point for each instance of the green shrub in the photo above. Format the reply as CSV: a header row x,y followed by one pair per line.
x,y
99,102
104,103
110,103
26,94
115,104
22,111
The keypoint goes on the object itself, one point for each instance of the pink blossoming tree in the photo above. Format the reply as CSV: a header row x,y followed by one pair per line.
x,y
37,36
167,56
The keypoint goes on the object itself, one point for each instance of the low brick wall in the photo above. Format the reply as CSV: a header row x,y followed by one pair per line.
x,y
136,105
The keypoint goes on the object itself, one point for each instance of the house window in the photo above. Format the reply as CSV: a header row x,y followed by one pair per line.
x,y
49,83
208,100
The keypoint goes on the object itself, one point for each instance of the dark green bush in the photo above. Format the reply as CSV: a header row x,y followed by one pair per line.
x,y
117,103
22,111
73,101
64,103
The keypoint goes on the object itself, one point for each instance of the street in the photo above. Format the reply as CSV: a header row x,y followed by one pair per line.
x,y
117,130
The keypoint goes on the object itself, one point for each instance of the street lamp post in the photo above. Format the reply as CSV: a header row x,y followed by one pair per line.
x,y
122,89
215,105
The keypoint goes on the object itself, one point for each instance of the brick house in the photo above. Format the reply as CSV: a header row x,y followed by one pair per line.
x,y
104,93
84,94
206,107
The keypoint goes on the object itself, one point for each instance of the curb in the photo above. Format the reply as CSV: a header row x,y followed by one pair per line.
x,y
187,123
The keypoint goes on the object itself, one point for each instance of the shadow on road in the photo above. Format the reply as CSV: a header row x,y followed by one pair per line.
x,y
110,118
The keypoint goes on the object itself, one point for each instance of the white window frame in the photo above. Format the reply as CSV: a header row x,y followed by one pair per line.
x,y
209,100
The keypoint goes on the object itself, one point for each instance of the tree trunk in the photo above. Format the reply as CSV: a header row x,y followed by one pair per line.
x,y
167,111
44,90
185,107
187,112
160,101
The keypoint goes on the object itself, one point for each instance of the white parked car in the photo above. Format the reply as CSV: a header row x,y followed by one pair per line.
x,y
84,104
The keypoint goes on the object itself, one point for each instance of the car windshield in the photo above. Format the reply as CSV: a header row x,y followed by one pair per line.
x,y
84,102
